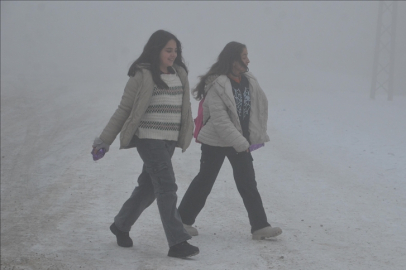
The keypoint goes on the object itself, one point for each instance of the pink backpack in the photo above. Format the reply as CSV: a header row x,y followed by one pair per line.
x,y
199,120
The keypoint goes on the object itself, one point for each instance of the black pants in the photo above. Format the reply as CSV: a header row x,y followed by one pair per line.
x,y
211,161
157,181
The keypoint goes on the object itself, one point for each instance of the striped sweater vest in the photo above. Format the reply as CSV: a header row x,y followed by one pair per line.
x,y
162,119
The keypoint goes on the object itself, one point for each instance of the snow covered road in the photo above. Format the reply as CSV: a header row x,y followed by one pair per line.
x,y
332,177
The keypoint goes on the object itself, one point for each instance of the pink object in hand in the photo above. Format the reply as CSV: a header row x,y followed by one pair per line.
x,y
99,154
256,146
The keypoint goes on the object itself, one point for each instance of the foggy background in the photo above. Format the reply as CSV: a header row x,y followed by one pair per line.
x,y
332,175
290,44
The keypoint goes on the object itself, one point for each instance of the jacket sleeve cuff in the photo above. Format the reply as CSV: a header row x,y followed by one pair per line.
x,y
243,147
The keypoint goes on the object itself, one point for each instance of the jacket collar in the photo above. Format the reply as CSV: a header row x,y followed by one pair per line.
x,y
178,69
226,93
181,72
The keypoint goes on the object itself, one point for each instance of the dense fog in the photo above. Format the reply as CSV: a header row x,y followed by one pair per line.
x,y
288,42
332,175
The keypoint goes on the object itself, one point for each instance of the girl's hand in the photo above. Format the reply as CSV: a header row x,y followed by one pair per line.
x,y
98,144
245,151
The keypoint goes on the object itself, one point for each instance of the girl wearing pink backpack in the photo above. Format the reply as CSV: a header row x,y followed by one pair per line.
x,y
231,122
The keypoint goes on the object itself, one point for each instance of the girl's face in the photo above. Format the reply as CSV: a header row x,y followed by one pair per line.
x,y
237,67
244,57
168,55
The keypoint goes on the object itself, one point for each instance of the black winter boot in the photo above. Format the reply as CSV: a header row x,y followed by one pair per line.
x,y
123,238
183,250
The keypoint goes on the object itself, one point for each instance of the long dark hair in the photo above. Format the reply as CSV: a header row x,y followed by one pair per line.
x,y
231,52
151,53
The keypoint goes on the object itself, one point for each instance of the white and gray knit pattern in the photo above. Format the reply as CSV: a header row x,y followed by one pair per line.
x,y
163,117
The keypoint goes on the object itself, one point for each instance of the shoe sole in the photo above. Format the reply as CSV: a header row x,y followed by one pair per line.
x,y
262,236
184,257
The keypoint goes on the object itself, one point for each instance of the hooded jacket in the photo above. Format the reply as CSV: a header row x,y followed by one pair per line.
x,y
134,103
223,126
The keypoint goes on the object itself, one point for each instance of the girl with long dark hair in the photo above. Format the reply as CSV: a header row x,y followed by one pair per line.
x,y
235,114
154,116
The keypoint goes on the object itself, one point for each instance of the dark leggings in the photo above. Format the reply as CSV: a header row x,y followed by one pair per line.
x,y
210,164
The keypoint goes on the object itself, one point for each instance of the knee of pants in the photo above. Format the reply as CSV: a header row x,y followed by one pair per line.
x,y
146,191
163,178
208,170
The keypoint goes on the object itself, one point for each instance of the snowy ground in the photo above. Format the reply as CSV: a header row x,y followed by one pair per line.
x,y
332,177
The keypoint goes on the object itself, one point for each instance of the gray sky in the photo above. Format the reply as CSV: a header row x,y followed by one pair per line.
x,y
285,39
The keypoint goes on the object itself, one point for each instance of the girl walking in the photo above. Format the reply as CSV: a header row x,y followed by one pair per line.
x,y
154,116
235,114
